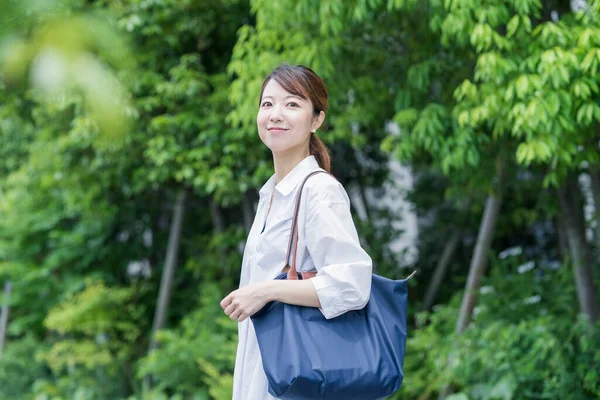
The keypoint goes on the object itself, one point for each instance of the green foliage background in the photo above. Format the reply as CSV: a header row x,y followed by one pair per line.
x,y
110,109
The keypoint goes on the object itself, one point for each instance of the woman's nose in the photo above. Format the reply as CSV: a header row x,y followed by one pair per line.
x,y
275,114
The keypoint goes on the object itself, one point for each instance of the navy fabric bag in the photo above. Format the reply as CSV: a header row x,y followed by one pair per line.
x,y
358,355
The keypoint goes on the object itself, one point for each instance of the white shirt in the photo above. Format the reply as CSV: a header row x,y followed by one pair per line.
x,y
327,243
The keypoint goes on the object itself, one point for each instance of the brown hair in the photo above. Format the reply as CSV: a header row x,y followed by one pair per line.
x,y
303,82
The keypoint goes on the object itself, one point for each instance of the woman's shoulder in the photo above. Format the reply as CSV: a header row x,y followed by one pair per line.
x,y
324,187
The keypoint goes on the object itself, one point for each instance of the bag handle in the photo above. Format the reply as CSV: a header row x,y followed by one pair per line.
x,y
292,274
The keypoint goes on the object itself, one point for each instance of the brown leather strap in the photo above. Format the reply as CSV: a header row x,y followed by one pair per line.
x,y
291,270
305,275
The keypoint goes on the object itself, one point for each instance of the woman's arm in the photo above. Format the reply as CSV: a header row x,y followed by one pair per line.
x,y
247,301
300,292
345,270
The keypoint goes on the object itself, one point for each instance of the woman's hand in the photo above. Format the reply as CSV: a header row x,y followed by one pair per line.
x,y
247,301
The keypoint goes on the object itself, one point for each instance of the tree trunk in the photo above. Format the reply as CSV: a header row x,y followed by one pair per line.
x,y
478,261
217,216
480,256
563,247
581,258
4,315
170,265
595,186
168,272
440,270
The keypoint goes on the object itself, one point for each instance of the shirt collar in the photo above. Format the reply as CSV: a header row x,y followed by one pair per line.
x,y
292,179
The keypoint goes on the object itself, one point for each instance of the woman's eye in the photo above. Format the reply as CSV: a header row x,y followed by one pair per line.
x,y
293,104
266,104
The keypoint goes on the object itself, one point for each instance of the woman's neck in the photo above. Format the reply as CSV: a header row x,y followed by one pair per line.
x,y
285,163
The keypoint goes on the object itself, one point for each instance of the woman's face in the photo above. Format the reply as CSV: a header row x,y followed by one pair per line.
x,y
284,120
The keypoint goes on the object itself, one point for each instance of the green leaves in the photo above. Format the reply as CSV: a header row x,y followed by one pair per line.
x,y
82,225
495,68
534,150
419,75
527,7
590,62
444,86
535,86
484,38
553,34
430,127
466,90
67,51
588,113
522,342
406,117
201,349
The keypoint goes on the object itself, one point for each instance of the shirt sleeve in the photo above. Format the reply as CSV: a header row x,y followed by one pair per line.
x,y
344,269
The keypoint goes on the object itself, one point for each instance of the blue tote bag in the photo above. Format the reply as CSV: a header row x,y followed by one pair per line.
x,y
358,355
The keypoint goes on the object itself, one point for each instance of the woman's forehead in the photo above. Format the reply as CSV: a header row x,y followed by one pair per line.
x,y
275,90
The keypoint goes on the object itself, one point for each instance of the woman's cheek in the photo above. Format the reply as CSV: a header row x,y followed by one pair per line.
x,y
262,136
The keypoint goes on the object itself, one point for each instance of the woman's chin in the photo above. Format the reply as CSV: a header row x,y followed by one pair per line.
x,y
278,147
283,147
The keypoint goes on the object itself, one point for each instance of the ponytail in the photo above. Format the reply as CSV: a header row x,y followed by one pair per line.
x,y
318,149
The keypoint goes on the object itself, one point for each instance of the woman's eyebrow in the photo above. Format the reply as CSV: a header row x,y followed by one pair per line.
x,y
286,97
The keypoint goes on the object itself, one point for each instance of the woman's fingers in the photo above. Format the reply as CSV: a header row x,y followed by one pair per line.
x,y
235,312
242,317
225,302
242,303
230,309
236,315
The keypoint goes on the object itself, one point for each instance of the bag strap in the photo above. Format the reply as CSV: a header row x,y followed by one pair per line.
x,y
292,274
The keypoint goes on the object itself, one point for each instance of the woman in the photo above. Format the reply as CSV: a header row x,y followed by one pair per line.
x,y
292,107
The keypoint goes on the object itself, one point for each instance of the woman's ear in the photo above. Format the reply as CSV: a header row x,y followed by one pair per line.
x,y
318,121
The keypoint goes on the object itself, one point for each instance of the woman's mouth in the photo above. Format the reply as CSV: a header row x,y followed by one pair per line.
x,y
277,130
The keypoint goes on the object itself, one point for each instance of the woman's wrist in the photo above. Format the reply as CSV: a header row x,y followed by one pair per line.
x,y
269,290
